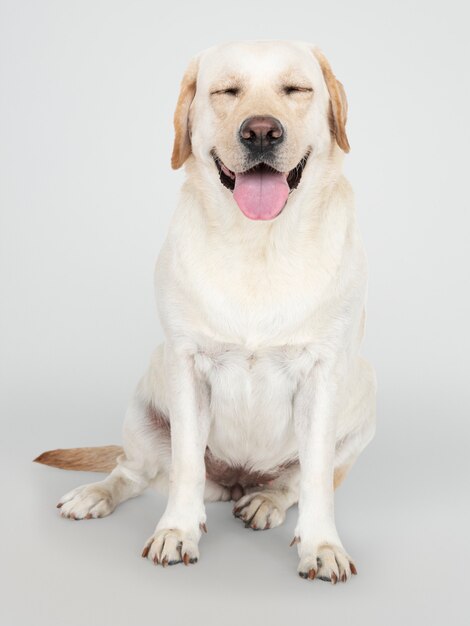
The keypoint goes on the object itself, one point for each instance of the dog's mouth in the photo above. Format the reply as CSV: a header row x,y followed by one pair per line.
x,y
261,192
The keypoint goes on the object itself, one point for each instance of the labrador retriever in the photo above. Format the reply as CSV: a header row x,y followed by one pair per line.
x,y
259,393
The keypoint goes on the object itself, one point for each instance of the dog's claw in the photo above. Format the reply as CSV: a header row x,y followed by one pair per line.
x,y
294,541
311,574
186,558
334,579
165,562
353,568
146,551
203,527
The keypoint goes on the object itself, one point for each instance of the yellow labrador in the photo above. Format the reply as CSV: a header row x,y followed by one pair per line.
x,y
258,393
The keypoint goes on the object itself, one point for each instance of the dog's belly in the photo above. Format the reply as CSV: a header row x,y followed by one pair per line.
x,y
252,436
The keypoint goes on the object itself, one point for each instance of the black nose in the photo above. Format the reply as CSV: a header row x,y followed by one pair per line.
x,y
261,132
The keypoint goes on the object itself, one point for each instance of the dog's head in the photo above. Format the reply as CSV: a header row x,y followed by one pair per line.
x,y
253,114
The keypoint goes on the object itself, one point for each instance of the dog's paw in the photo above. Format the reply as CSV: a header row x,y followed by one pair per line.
x,y
327,562
170,546
87,502
259,510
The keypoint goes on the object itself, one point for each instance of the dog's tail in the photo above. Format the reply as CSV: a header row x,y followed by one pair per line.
x,y
98,459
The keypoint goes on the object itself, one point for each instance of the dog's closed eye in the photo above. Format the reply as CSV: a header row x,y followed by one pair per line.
x,y
228,91
293,89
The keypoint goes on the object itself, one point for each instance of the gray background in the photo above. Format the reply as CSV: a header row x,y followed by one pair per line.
x,y
86,100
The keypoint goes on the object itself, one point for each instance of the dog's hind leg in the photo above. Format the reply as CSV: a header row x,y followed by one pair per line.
x,y
145,459
265,507
356,420
146,454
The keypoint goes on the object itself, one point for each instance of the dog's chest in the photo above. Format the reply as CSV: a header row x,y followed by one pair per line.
x,y
245,297
251,395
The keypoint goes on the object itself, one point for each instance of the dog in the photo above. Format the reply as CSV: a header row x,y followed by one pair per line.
x,y
258,394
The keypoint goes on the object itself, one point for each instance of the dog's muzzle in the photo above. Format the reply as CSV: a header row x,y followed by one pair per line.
x,y
260,191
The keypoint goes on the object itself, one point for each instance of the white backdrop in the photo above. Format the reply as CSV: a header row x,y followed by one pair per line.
x,y
87,91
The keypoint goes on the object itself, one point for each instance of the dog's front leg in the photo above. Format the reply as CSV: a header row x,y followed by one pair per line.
x,y
178,532
321,552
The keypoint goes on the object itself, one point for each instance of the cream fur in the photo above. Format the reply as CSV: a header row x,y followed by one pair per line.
x,y
263,324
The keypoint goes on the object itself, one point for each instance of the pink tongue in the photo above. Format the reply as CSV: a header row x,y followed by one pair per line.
x,y
261,195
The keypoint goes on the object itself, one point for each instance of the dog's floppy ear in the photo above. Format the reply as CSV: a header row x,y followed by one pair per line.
x,y
182,143
338,102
